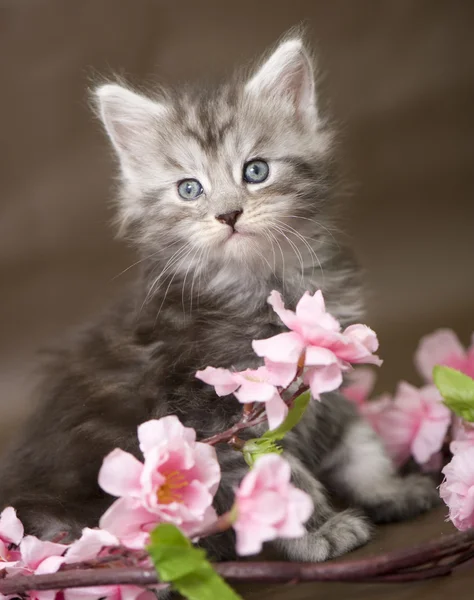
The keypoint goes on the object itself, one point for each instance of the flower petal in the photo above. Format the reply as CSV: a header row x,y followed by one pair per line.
x,y
166,432
90,544
11,528
120,474
439,348
34,551
323,379
222,379
361,385
319,357
311,312
254,391
288,317
129,521
280,374
281,348
276,410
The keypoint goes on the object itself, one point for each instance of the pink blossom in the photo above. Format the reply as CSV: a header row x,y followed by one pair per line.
x,y
269,506
317,343
373,412
11,532
462,435
414,423
176,483
39,558
91,545
360,386
254,385
444,348
457,490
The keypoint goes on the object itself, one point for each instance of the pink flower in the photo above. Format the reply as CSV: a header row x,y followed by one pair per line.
x,y
317,343
457,490
373,412
92,544
269,506
414,423
443,348
176,483
361,384
11,532
39,558
254,385
462,434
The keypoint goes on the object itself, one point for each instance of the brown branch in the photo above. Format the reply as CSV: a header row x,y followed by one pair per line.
x,y
397,566
249,419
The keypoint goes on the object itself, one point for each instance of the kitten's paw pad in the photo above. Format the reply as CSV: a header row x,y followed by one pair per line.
x,y
342,533
413,495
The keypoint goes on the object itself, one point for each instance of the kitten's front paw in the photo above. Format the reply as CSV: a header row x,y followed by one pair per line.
x,y
342,533
412,496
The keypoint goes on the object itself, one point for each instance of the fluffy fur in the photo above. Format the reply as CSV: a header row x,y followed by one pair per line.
x,y
201,299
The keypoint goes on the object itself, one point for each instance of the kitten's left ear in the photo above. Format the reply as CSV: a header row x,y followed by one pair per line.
x,y
288,73
132,122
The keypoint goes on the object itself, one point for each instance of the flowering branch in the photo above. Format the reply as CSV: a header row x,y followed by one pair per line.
x,y
432,559
165,502
249,419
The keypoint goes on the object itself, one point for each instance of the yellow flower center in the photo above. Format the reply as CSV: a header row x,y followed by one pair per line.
x,y
168,491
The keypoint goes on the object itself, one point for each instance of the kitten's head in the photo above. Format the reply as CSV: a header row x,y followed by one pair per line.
x,y
233,175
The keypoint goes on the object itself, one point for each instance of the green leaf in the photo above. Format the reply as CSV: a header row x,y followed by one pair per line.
x,y
267,444
293,417
205,584
258,447
185,567
457,390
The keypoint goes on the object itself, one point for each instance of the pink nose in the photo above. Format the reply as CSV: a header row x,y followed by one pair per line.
x,y
229,218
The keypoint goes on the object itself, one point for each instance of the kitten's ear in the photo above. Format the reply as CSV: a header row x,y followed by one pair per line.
x,y
132,123
288,73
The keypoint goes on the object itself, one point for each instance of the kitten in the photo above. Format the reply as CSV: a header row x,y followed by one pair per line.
x,y
228,194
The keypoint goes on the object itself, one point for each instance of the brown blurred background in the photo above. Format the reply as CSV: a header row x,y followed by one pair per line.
x,y
399,74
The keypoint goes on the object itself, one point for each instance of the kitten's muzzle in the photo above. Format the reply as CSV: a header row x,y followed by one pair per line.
x,y
230,218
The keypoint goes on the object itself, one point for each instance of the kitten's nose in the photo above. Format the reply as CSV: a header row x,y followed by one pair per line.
x,y
230,218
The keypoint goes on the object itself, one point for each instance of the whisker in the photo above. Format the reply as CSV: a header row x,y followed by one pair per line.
x,y
267,237
310,248
281,251
182,258
169,264
318,223
199,253
294,248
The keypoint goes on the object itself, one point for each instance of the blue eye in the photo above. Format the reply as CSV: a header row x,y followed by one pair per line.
x,y
256,171
189,189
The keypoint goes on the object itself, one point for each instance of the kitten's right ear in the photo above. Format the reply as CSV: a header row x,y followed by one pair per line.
x,y
288,74
132,124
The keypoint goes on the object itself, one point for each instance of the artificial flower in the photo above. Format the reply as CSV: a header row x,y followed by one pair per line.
x,y
254,385
176,482
268,506
414,423
444,348
11,532
462,434
40,557
317,342
457,489
360,385
88,547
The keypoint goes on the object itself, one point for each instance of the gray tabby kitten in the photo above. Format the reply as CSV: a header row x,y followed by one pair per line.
x,y
227,193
